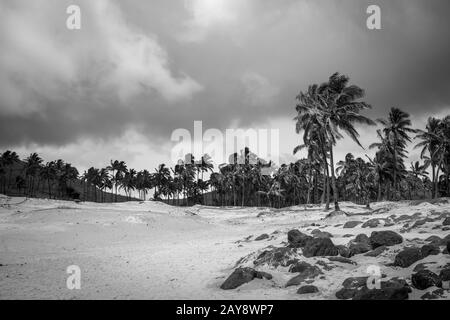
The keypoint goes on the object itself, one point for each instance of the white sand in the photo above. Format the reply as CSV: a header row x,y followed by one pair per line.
x,y
154,251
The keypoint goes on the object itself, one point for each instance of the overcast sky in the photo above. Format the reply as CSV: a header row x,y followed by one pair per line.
x,y
137,70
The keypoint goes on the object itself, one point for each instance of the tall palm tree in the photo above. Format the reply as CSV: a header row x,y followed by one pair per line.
x,y
9,159
341,110
397,128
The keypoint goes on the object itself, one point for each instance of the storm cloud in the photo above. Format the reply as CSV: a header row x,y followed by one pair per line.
x,y
150,67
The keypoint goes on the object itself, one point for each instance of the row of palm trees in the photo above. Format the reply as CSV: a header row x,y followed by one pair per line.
x,y
325,113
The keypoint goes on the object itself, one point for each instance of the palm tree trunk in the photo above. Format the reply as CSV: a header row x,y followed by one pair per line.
x,y
333,181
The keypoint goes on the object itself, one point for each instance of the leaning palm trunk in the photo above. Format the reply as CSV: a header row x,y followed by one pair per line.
x,y
333,181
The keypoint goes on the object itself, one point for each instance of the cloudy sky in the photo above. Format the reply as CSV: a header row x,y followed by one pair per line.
x,y
138,70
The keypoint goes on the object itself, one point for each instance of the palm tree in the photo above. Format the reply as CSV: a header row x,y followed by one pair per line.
x,y
9,159
341,110
48,173
32,165
433,142
118,169
396,130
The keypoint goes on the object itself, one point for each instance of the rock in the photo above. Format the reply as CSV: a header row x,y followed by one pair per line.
x,y
347,235
448,247
262,237
430,249
241,276
363,238
319,247
446,221
372,223
325,266
277,257
384,238
407,257
445,274
356,289
304,268
358,248
344,251
336,213
394,289
424,279
421,266
297,239
321,234
308,289
308,272
351,224
429,296
376,252
342,260
433,239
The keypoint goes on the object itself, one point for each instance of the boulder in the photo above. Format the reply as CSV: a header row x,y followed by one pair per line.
x,y
319,247
308,273
303,267
363,238
372,223
241,276
384,238
446,221
394,289
445,274
407,257
262,237
356,289
276,257
321,234
308,289
297,239
424,279
358,248
376,252
430,249
351,224
343,251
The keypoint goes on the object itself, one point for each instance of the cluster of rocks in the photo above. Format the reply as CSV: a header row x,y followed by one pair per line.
x,y
319,244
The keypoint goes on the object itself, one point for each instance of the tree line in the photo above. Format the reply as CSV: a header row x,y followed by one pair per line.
x,y
325,113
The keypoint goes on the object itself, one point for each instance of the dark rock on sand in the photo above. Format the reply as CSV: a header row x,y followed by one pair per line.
x,y
446,221
343,251
319,247
362,238
372,223
356,289
421,266
430,249
376,252
297,239
424,279
308,289
304,268
358,248
321,234
384,238
262,237
445,274
407,257
277,257
351,224
305,272
241,276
